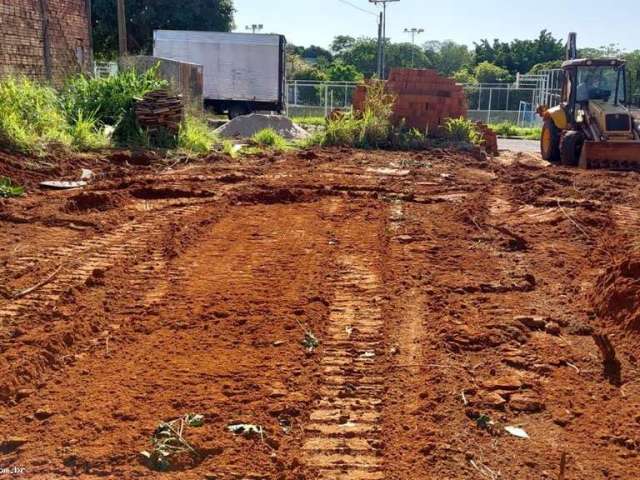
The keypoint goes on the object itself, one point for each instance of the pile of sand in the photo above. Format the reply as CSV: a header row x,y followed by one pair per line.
x,y
248,125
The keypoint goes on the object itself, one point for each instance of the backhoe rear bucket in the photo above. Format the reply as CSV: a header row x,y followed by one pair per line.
x,y
611,155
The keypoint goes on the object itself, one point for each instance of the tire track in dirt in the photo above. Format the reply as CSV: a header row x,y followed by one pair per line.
x,y
344,441
80,261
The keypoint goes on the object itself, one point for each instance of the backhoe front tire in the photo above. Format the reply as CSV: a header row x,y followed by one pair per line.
x,y
550,142
570,148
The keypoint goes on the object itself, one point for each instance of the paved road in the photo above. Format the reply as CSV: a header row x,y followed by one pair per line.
x,y
515,145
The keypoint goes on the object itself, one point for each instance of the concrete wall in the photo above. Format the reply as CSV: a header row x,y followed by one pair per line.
x,y
22,38
185,78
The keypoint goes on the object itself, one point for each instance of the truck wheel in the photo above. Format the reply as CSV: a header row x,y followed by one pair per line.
x,y
550,142
570,148
237,110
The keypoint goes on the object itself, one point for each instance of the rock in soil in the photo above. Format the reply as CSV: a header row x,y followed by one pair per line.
x,y
526,402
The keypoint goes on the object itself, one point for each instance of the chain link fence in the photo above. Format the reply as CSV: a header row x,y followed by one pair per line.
x,y
515,103
311,98
490,103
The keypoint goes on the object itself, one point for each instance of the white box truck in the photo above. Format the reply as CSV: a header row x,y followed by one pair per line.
x,y
242,72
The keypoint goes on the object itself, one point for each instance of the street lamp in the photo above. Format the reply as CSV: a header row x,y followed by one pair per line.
x,y
384,33
413,32
256,27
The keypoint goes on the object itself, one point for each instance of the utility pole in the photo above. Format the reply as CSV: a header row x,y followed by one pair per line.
x,y
413,32
256,27
379,68
122,28
384,31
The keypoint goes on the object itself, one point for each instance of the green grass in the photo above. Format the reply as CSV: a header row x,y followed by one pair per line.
x,y
461,130
369,129
507,129
34,116
30,117
8,189
310,121
110,101
269,139
87,135
195,137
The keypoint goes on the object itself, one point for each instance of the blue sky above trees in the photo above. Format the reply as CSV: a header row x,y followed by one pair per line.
x,y
317,22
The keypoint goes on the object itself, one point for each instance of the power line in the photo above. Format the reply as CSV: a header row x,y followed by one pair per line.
x,y
364,10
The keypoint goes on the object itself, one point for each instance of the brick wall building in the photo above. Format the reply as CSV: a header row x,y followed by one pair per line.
x,y
45,39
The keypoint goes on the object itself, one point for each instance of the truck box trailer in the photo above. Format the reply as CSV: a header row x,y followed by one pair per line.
x,y
242,72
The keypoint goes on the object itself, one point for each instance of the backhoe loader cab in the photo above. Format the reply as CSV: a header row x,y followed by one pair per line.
x,y
593,126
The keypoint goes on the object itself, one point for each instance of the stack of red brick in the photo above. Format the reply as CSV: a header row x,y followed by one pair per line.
x,y
489,137
425,99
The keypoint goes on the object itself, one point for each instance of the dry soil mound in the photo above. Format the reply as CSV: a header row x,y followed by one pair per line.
x,y
617,293
247,125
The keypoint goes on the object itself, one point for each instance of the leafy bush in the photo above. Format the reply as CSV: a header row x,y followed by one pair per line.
x,y
8,189
195,136
464,76
487,72
110,101
461,130
269,138
30,116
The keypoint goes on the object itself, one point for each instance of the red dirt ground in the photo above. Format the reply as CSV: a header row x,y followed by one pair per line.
x,y
451,297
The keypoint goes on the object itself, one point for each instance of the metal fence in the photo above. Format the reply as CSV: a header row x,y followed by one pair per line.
x,y
515,103
311,98
491,103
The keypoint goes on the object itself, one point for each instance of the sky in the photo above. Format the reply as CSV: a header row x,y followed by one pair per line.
x,y
306,22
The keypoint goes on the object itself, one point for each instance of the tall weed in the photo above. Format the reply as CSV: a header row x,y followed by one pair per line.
x,y
269,138
195,136
110,101
371,129
30,116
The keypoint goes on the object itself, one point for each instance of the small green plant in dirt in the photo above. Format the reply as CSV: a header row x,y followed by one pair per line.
x,y
461,130
309,341
168,442
30,117
269,138
229,148
195,137
8,189
314,140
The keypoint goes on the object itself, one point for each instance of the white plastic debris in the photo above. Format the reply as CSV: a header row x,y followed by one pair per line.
x,y
517,432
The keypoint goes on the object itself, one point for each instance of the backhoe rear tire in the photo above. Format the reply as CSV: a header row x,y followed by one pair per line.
x,y
570,148
550,142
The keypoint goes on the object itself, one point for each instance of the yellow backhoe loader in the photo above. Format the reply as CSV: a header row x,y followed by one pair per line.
x,y
594,126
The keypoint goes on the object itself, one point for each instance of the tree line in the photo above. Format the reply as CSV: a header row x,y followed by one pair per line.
x,y
348,58
486,62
